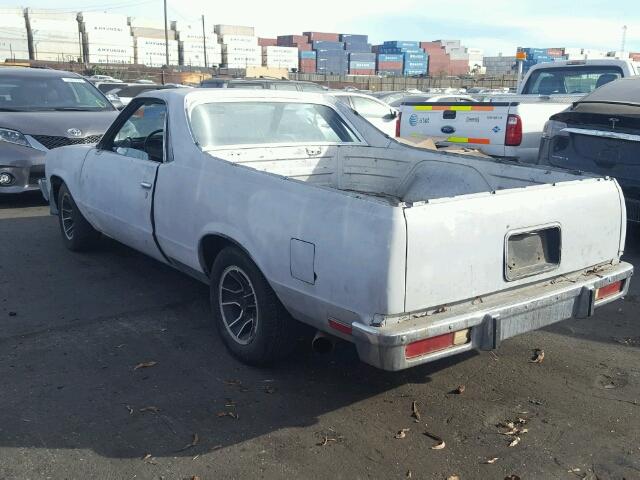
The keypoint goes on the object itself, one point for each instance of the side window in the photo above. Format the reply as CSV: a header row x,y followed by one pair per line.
x,y
285,86
142,135
369,108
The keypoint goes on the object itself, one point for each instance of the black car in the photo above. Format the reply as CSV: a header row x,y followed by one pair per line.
x,y
600,134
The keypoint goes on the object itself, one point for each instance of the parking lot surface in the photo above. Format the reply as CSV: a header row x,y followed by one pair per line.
x,y
81,396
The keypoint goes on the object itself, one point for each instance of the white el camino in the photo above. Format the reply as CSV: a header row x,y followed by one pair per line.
x,y
293,208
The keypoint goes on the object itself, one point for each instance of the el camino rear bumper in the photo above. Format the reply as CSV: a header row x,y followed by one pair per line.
x,y
496,318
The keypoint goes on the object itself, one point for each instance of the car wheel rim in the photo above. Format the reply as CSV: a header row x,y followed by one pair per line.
x,y
66,216
238,305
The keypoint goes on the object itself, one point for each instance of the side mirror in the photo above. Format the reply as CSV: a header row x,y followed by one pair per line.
x,y
391,115
115,100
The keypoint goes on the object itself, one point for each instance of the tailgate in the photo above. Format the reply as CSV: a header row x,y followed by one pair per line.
x,y
476,124
465,247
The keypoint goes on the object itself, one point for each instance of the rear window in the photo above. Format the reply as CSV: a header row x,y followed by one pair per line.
x,y
253,123
626,90
568,80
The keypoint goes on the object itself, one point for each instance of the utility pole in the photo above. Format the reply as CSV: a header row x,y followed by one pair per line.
x,y
204,42
624,39
166,36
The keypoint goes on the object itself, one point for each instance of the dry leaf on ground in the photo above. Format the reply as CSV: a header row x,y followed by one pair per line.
x,y
325,441
538,356
401,433
194,441
453,477
150,408
409,474
228,414
491,461
440,442
514,442
130,409
512,477
414,411
144,365
460,390
146,457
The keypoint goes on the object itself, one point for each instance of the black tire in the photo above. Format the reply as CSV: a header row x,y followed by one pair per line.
x,y
77,234
274,335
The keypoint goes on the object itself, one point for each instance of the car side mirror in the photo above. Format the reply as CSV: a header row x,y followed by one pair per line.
x,y
391,115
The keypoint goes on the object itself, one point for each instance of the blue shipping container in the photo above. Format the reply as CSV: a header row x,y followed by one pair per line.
x,y
362,57
416,57
351,37
362,65
390,57
415,65
401,44
322,44
307,54
357,47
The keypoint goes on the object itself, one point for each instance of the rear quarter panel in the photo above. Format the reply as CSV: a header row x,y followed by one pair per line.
x,y
65,163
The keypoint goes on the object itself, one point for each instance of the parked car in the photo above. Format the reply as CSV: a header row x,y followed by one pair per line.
x,y
292,207
42,109
127,91
274,84
377,112
601,134
510,126
214,83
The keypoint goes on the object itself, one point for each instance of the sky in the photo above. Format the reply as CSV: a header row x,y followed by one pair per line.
x,y
497,26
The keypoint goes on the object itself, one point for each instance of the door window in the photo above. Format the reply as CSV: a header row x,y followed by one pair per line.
x,y
369,108
142,135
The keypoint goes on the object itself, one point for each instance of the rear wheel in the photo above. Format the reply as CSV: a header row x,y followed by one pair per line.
x,y
77,233
252,322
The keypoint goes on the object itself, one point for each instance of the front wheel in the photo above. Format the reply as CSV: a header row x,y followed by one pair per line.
x,y
252,322
77,232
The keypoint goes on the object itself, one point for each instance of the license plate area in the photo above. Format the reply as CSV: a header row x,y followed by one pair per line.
x,y
531,252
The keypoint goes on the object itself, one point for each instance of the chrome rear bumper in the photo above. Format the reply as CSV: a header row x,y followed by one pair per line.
x,y
497,318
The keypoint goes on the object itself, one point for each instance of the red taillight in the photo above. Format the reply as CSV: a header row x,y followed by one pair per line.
x,y
398,120
609,290
513,135
339,326
433,344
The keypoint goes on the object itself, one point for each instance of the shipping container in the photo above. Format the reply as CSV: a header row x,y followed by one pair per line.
x,y
239,39
362,66
192,54
362,72
12,21
152,51
325,45
355,38
362,57
401,44
56,51
152,33
327,37
358,47
234,30
390,57
61,15
111,54
290,40
267,42
13,48
307,54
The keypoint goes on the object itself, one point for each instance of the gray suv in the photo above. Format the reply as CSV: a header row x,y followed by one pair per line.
x,y
41,109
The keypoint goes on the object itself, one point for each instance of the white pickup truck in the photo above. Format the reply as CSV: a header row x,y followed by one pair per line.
x,y
292,207
510,126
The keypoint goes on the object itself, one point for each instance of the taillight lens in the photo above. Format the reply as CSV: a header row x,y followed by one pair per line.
x,y
434,344
609,290
398,120
513,135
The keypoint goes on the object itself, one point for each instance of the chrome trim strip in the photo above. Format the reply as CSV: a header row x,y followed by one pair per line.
x,y
602,133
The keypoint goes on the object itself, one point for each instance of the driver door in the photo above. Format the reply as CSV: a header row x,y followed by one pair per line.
x,y
118,177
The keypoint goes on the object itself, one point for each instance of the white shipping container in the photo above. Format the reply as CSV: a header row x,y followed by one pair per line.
x,y
104,19
106,29
14,33
56,51
240,49
111,55
12,48
108,39
279,63
280,51
146,23
195,34
9,20
151,52
234,30
54,36
11,11
196,58
239,39
54,15
152,33
45,24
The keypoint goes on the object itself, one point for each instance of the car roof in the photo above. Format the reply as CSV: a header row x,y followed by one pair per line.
x,y
27,72
203,94
623,90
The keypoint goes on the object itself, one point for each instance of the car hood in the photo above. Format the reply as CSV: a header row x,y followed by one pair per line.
x,y
57,123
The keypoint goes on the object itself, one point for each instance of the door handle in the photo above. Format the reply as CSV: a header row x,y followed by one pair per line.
x,y
145,185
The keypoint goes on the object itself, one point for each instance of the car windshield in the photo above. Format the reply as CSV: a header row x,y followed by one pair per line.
x,y
24,93
253,123
567,80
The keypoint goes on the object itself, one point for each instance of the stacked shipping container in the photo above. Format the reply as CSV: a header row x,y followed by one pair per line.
x,y
415,59
53,35
240,47
331,58
14,40
191,44
106,38
540,55
361,60
280,57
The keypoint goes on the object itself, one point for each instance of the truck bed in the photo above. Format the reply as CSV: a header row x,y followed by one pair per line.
x,y
397,174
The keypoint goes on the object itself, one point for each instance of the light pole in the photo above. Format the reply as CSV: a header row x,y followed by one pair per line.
x,y
166,35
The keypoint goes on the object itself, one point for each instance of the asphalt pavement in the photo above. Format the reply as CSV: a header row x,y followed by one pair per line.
x,y
111,369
